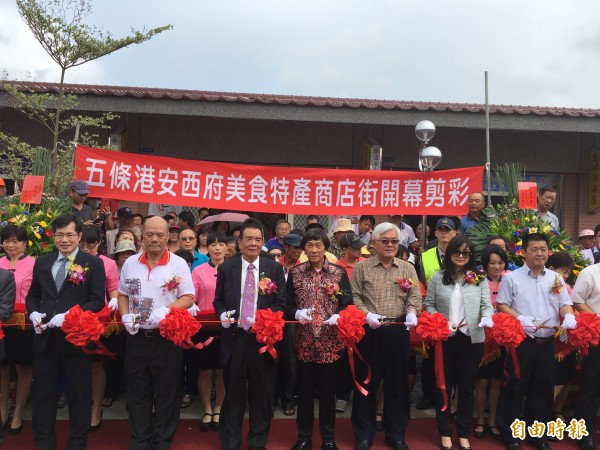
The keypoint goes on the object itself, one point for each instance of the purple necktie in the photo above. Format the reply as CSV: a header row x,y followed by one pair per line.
x,y
248,299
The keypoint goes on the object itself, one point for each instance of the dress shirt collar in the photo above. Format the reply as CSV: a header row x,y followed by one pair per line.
x,y
69,256
376,261
542,273
245,263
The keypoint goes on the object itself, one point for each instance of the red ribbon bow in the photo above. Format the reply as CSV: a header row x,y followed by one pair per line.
x,y
179,326
351,331
507,332
269,330
82,328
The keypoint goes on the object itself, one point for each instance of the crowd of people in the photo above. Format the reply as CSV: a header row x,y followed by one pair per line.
x,y
223,274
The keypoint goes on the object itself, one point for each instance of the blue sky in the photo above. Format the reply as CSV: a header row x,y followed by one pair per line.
x,y
543,53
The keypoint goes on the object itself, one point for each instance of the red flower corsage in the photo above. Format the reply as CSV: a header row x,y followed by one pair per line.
x,y
332,290
406,283
474,278
266,286
171,284
557,286
76,273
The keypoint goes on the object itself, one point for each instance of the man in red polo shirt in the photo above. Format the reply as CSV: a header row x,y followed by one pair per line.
x,y
353,251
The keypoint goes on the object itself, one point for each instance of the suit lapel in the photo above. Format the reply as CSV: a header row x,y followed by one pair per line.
x,y
76,261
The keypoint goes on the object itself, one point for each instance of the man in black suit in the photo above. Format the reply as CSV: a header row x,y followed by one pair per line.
x,y
62,280
8,294
237,298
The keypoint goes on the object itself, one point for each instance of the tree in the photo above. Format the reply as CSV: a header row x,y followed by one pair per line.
x,y
59,26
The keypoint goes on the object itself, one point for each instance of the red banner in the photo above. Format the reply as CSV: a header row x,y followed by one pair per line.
x,y
292,190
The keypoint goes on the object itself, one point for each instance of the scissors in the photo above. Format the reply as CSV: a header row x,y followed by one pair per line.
x,y
541,325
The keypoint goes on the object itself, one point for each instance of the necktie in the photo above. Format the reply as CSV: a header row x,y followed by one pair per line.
x,y
247,309
59,279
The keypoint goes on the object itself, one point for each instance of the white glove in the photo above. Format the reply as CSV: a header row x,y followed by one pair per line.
x,y
564,338
527,324
157,315
113,304
57,320
486,321
36,319
373,320
303,316
569,322
452,328
130,323
227,318
410,321
193,310
332,320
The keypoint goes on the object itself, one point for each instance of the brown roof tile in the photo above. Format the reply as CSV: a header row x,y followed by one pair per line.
x,y
232,97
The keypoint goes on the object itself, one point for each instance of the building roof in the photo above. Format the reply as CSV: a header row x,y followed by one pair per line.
x,y
275,99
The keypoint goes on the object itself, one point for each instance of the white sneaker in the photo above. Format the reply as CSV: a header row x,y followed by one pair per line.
x,y
340,406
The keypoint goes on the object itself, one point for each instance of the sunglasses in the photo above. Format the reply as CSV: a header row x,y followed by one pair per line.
x,y
462,254
187,238
389,241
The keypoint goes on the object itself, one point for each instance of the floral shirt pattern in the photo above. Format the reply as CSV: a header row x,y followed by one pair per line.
x,y
306,288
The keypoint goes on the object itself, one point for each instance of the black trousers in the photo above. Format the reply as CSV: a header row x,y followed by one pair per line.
x,y
152,377
343,378
386,351
322,377
247,375
47,367
114,368
428,377
461,364
589,396
536,363
286,367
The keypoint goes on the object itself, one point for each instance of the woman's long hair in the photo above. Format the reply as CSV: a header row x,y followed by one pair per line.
x,y
455,243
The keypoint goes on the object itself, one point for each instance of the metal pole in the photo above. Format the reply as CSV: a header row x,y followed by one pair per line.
x,y
487,144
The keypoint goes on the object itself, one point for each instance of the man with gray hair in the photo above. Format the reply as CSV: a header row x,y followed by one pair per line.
x,y
385,347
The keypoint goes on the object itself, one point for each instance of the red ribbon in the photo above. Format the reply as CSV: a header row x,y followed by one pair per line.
x,y
189,345
351,330
269,330
440,378
100,350
433,328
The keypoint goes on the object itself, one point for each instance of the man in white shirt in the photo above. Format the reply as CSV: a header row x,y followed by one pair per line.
x,y
151,284
545,201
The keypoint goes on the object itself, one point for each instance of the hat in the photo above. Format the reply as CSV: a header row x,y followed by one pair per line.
x,y
343,225
2,182
586,232
125,246
365,251
124,212
351,240
291,239
80,187
445,222
174,228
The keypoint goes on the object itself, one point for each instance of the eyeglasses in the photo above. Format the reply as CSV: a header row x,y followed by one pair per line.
x,y
66,235
187,239
89,244
276,255
462,254
389,241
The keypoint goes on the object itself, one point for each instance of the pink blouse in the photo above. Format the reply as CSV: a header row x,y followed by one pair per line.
x,y
23,275
112,276
205,282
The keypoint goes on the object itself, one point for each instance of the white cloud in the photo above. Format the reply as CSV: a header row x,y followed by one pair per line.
x,y
537,52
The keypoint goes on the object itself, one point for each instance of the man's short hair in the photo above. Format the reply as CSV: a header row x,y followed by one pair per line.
x,y
138,215
543,190
168,217
187,217
370,218
312,217
384,227
252,223
534,237
64,220
280,221
498,236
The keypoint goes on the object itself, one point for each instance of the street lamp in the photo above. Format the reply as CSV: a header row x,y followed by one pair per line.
x,y
429,159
